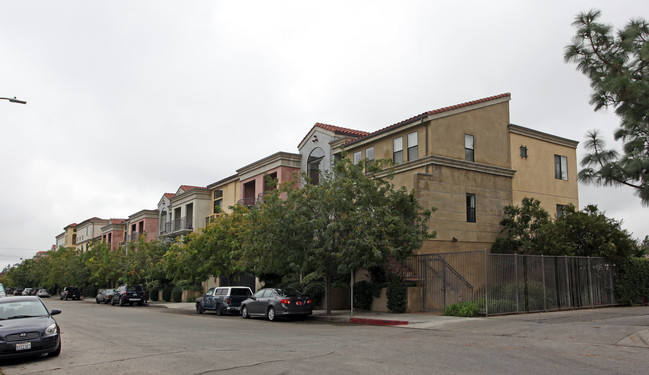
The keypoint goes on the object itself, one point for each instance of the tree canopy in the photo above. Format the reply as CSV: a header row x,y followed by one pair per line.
x,y
528,229
617,64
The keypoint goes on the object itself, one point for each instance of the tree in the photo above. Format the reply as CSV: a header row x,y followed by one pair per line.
x,y
528,230
349,220
618,68
214,251
523,228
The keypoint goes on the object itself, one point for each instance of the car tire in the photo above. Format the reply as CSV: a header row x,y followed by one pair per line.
x,y
112,301
218,310
244,312
271,314
57,351
97,301
199,308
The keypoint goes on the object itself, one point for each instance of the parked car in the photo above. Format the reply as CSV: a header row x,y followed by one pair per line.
x,y
27,292
70,292
18,291
275,302
28,328
9,291
104,295
3,293
129,294
223,300
43,293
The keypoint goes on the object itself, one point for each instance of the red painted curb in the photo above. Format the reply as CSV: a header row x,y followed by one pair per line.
x,y
378,322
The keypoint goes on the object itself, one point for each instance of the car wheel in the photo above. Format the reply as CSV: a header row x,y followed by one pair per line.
x,y
244,312
219,312
271,313
199,308
112,301
57,351
97,300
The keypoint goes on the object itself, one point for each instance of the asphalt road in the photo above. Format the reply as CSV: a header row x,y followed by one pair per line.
x,y
104,339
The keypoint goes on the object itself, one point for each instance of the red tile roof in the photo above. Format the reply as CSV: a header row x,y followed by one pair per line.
x,y
169,195
337,130
429,113
189,187
116,221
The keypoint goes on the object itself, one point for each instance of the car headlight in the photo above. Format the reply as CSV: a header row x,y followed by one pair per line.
x,y
52,330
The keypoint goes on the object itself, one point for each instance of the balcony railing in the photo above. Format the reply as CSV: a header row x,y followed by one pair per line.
x,y
177,226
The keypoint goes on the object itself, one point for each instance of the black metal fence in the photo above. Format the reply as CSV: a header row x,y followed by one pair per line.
x,y
506,284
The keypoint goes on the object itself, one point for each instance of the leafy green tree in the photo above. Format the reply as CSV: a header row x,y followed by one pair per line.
x,y
213,251
528,230
351,219
523,228
617,64
590,233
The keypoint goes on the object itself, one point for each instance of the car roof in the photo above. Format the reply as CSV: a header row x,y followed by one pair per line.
x,y
19,299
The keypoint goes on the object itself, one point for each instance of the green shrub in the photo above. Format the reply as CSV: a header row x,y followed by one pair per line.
x,y
632,282
464,309
364,293
313,286
177,294
397,295
166,293
153,294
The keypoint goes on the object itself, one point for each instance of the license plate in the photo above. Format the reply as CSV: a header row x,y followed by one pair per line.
x,y
23,345
135,299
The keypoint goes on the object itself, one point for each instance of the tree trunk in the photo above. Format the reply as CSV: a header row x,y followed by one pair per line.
x,y
328,279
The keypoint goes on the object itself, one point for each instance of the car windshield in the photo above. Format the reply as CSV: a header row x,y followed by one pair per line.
x,y
22,309
134,288
288,292
240,292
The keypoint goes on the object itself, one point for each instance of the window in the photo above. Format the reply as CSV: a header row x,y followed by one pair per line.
x,y
397,153
470,208
313,164
358,155
412,146
561,210
469,154
217,206
369,155
523,152
218,194
560,167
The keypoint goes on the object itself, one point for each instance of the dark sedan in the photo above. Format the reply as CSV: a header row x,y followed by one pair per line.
x,y
27,328
104,295
277,302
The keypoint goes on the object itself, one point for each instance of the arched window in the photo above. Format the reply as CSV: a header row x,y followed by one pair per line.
x,y
313,165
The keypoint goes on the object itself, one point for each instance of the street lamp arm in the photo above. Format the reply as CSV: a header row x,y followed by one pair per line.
x,y
14,100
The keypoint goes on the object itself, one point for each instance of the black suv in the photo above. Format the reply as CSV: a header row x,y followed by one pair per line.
x,y
70,292
129,294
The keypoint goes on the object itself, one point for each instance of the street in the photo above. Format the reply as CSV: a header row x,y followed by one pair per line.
x,y
104,339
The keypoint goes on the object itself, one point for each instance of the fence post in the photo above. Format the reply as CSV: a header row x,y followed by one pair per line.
x,y
545,299
486,286
516,280
565,259
590,284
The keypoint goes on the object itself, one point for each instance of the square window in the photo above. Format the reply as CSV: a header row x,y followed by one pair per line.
x,y
358,155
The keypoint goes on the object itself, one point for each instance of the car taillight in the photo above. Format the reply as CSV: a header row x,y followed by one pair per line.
x,y
228,300
308,302
285,301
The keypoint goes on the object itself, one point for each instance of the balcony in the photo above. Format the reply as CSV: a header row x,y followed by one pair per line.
x,y
178,227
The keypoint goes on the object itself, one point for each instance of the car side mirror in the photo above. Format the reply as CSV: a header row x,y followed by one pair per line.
x,y
55,312
253,298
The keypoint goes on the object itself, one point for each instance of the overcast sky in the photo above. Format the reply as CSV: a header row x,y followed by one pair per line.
x,y
128,100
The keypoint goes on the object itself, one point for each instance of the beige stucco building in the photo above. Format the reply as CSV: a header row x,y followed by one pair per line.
x,y
465,160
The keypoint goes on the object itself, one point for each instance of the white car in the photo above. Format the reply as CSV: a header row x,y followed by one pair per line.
x,y
42,293
2,291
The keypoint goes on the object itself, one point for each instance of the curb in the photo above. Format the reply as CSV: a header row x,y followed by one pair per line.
x,y
378,322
